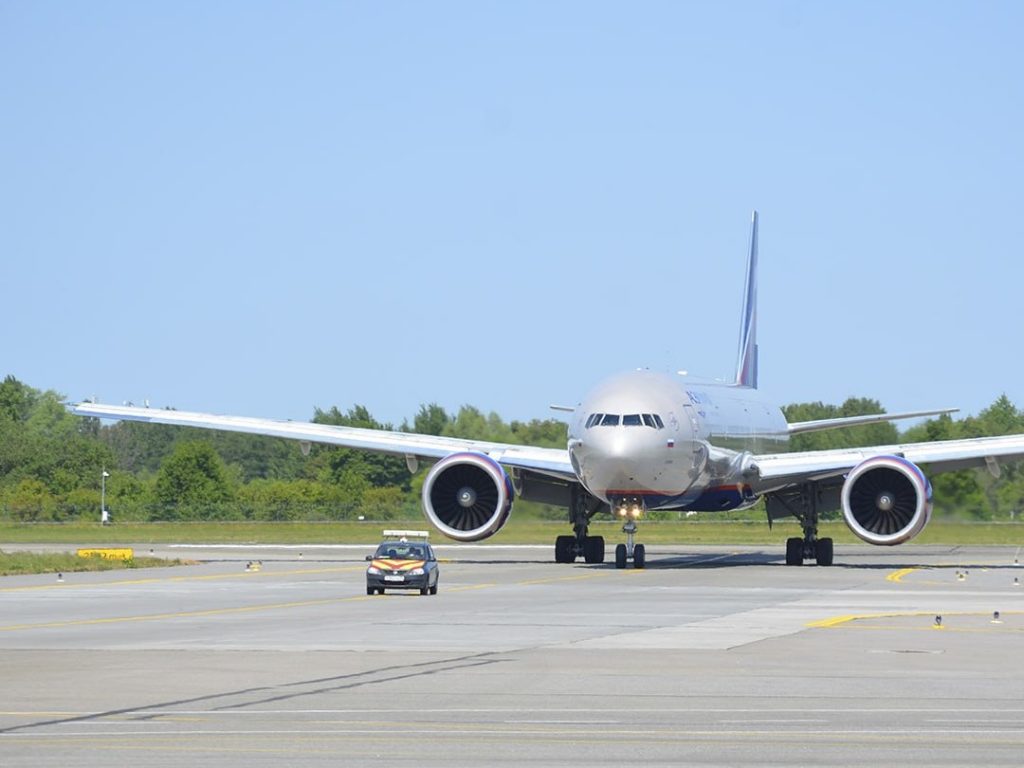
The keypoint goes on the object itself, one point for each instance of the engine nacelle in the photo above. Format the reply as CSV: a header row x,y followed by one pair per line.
x,y
467,496
887,500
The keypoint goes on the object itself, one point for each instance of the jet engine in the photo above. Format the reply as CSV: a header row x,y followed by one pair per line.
x,y
886,500
467,496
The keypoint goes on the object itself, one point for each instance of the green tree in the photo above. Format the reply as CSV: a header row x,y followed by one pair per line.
x,y
139,447
31,501
80,504
975,493
883,433
549,433
16,399
259,456
470,423
192,482
431,420
385,503
40,440
960,493
1001,418
344,466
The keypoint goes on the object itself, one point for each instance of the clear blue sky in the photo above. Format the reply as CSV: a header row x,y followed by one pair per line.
x,y
259,208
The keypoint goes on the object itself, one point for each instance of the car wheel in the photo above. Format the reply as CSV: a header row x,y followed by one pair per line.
x,y
433,590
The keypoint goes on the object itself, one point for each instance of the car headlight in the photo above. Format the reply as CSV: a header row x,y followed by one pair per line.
x,y
416,571
373,571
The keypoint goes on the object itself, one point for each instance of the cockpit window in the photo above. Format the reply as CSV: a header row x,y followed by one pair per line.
x,y
652,420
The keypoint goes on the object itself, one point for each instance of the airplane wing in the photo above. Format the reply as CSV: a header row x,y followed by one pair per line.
x,y
799,427
782,469
553,462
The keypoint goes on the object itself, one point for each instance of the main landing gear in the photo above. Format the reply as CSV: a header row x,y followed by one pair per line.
x,y
798,550
582,507
803,504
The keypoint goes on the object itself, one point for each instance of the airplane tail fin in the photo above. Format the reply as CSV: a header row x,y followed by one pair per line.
x,y
746,360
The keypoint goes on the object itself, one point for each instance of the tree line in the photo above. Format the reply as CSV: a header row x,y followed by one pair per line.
x,y
51,463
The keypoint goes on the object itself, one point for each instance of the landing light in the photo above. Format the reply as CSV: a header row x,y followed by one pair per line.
x,y
632,511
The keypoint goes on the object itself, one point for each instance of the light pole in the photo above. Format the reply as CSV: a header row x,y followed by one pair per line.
x,y
103,495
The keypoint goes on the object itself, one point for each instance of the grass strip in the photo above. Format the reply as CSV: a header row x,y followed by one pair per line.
x,y
518,531
21,563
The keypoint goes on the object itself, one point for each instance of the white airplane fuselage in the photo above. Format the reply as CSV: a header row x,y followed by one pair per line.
x,y
643,440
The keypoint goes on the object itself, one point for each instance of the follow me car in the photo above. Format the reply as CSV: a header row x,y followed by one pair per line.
x,y
402,564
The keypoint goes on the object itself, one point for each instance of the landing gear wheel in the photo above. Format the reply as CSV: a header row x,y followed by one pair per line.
x,y
593,549
639,556
620,556
823,551
794,551
564,549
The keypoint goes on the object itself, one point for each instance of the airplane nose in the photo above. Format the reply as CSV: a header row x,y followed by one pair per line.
x,y
617,455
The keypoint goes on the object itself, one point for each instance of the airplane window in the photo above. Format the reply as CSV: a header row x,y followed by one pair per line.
x,y
594,420
649,421
658,421
610,420
631,420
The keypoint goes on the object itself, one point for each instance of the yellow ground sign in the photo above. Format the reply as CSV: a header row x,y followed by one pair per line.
x,y
108,554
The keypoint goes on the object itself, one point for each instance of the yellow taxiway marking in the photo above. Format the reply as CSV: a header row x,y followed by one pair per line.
x,y
897,576
838,621
204,577
467,587
577,577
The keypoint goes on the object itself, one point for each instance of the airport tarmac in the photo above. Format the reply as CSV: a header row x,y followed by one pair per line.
x,y
711,655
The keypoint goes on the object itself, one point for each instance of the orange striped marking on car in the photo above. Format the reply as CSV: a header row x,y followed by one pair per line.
x,y
398,565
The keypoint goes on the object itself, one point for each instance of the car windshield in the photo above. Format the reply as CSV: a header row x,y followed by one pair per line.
x,y
400,550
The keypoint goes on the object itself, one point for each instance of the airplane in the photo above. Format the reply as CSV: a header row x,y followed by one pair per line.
x,y
642,441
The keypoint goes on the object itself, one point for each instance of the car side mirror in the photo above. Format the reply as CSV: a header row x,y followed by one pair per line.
x,y
369,558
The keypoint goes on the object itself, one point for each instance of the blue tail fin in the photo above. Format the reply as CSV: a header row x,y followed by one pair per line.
x,y
746,361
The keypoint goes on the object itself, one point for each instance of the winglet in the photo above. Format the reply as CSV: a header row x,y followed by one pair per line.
x,y
746,361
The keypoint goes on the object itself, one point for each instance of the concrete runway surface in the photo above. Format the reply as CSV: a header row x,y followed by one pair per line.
x,y
710,656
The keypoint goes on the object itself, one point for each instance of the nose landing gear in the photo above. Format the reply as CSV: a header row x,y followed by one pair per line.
x,y
630,550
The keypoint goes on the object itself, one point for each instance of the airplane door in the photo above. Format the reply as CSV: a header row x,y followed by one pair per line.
x,y
691,415
699,450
